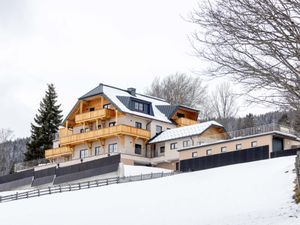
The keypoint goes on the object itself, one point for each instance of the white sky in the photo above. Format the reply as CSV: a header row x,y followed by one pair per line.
x,y
78,44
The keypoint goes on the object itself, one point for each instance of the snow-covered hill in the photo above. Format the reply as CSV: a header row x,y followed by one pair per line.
x,y
257,193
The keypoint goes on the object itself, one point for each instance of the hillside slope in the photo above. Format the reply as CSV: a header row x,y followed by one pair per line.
x,y
257,193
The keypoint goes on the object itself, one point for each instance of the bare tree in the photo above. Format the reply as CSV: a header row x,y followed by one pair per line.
x,y
179,89
254,42
223,101
5,135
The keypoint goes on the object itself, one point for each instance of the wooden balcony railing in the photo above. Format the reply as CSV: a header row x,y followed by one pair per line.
x,y
185,122
104,133
55,152
94,115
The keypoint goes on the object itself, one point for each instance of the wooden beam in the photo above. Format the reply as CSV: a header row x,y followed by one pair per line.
x,y
116,111
81,106
101,102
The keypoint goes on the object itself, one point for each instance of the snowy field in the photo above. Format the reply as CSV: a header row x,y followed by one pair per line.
x,y
257,193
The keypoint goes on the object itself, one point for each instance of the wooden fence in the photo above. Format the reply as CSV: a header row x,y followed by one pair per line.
x,y
297,165
80,186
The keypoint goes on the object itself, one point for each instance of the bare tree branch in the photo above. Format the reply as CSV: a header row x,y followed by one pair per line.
x,y
254,42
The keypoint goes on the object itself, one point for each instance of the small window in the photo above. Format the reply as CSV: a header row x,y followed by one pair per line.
x,y
92,109
158,129
194,154
106,106
138,125
97,150
186,143
84,153
111,124
99,126
138,149
208,152
162,149
238,147
112,148
180,115
81,130
87,129
223,149
254,144
173,145
139,106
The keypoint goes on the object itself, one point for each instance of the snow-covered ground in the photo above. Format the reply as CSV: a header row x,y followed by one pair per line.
x,y
257,193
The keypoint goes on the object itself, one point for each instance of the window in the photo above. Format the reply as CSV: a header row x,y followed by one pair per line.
x,y
194,154
112,148
138,149
208,152
139,106
138,125
253,144
92,109
186,143
180,115
87,129
173,145
106,106
238,147
81,130
97,150
223,149
162,149
158,129
84,153
111,124
99,126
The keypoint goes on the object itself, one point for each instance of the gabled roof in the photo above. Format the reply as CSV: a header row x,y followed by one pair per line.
x,y
122,100
186,131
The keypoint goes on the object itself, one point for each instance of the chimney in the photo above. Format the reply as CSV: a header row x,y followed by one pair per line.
x,y
131,91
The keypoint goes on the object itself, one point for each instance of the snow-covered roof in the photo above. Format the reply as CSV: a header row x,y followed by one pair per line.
x,y
186,131
286,135
120,98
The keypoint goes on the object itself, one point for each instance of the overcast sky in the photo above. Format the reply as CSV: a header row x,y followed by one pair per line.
x,y
78,44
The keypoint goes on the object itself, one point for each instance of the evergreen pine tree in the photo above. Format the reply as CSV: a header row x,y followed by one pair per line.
x,y
249,121
46,124
284,120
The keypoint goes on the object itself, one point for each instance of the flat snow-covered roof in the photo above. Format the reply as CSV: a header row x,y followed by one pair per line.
x,y
186,131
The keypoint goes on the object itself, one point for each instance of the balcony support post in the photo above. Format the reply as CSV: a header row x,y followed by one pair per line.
x,y
116,111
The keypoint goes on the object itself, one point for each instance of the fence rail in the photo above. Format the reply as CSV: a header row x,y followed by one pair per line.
x,y
81,186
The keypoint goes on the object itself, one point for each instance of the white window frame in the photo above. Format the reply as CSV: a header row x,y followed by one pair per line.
x,y
252,142
98,150
186,143
209,152
223,149
238,148
194,154
173,145
112,148
84,153
158,127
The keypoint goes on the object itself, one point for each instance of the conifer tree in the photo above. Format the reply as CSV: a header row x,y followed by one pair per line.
x,y
46,124
284,120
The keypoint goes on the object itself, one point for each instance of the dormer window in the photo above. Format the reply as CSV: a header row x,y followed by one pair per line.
x,y
138,106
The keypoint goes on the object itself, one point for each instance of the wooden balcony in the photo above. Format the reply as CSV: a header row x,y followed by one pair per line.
x,y
104,133
185,122
94,115
56,152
